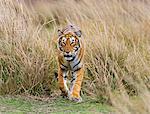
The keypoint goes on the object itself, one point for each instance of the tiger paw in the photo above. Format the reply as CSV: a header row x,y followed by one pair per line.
x,y
76,99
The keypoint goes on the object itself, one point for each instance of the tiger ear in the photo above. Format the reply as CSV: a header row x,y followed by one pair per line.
x,y
59,32
78,33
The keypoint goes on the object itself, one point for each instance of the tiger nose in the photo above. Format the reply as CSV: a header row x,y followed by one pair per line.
x,y
68,52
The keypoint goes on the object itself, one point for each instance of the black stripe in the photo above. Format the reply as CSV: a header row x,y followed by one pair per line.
x,y
76,48
64,66
73,79
60,48
77,69
63,69
77,63
65,76
59,42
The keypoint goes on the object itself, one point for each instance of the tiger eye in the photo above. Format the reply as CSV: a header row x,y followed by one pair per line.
x,y
72,39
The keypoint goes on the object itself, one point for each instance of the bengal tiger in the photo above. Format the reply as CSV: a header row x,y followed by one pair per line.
x,y
70,58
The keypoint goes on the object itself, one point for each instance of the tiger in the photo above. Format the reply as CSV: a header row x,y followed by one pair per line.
x,y
70,59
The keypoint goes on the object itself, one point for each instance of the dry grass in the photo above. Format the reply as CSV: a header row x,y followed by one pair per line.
x,y
117,59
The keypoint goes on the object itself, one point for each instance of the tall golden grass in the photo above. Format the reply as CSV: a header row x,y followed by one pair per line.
x,y
117,58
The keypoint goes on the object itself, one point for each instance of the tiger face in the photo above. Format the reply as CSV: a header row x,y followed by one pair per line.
x,y
69,44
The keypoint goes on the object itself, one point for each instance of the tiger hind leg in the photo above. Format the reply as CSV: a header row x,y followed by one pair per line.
x,y
76,82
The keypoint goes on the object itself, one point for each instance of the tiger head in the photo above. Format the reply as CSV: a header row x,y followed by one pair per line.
x,y
69,41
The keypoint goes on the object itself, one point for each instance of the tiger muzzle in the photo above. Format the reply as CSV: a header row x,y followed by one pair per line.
x,y
69,57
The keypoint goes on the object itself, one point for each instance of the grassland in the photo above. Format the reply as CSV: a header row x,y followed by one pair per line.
x,y
21,105
117,58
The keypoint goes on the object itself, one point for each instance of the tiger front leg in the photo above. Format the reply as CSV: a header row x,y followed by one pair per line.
x,y
77,77
62,81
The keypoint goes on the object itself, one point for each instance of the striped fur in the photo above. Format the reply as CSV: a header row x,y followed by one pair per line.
x,y
70,58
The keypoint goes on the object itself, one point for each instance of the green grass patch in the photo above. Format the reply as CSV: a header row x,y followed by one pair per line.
x,y
17,105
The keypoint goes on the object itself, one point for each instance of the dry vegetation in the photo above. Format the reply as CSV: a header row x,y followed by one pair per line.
x,y
117,59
